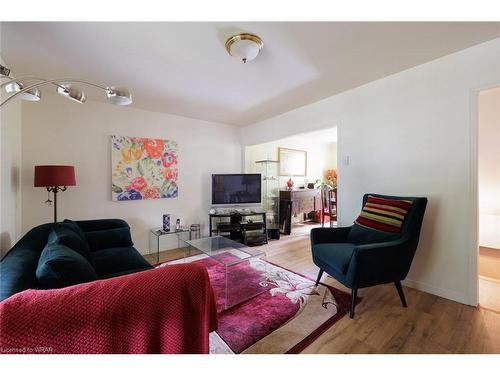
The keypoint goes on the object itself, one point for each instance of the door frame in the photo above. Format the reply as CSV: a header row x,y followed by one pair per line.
x,y
473,261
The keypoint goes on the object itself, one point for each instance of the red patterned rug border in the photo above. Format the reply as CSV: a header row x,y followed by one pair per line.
x,y
314,335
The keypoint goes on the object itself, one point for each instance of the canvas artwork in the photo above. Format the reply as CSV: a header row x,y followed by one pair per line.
x,y
143,168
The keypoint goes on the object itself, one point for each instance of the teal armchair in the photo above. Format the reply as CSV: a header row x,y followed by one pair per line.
x,y
360,257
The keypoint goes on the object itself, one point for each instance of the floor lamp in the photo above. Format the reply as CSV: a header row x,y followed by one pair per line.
x,y
54,178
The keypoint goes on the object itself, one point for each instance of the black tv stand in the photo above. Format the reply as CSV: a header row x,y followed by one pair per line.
x,y
249,232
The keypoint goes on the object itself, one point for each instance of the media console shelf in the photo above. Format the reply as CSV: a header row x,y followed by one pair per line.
x,y
239,228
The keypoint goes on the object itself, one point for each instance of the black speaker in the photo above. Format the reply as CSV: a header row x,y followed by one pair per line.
x,y
273,234
235,218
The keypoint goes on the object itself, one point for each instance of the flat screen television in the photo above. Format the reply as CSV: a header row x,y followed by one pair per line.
x,y
236,188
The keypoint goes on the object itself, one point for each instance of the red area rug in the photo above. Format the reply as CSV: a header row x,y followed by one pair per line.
x,y
287,314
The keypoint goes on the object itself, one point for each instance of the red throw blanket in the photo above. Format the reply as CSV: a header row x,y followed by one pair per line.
x,y
165,310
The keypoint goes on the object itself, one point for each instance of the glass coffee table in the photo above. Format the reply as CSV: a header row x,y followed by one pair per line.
x,y
243,268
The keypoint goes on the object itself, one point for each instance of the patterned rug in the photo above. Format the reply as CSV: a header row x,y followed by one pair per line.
x,y
287,314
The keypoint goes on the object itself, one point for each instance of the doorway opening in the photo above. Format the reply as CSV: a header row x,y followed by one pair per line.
x,y
303,180
489,198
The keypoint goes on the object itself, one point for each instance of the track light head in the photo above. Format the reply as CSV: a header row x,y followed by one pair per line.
x,y
71,93
32,95
119,95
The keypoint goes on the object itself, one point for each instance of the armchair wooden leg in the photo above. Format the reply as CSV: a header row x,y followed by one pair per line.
x,y
401,293
319,277
354,294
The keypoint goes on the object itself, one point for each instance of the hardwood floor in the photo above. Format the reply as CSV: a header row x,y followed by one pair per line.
x,y
430,324
489,263
489,278
165,256
489,293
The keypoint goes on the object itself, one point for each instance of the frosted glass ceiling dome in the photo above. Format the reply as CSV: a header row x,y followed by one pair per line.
x,y
245,47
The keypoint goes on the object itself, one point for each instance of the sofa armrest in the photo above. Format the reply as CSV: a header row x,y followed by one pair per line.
x,y
105,233
104,239
101,224
329,235
17,271
378,262
170,309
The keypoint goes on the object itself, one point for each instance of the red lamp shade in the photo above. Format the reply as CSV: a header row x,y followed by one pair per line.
x,y
54,175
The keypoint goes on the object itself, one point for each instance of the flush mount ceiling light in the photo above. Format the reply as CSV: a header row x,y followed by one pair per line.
x,y
245,47
27,88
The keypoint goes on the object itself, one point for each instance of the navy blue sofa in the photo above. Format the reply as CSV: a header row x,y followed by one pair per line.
x,y
360,258
111,253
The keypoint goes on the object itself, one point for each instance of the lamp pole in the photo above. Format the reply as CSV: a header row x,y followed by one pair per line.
x,y
55,190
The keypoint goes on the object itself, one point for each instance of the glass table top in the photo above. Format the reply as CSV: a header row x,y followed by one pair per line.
x,y
224,250
160,231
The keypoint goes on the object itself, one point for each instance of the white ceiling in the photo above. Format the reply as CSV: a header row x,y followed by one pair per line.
x,y
183,68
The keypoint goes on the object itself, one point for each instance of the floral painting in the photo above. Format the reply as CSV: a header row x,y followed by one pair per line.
x,y
143,168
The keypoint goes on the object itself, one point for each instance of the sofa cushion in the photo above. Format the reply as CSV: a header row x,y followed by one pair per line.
x,y
105,239
335,255
59,266
360,235
67,237
386,215
17,271
381,220
70,224
117,260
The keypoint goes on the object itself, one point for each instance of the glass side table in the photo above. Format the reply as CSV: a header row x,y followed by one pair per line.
x,y
155,234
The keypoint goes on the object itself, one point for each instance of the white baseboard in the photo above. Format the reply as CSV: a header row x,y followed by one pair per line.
x,y
440,292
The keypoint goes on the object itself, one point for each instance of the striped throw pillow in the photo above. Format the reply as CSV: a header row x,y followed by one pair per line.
x,y
382,214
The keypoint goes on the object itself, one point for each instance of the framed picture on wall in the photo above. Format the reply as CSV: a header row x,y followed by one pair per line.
x,y
292,162
143,168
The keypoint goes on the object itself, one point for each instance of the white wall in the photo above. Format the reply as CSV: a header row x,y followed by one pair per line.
x,y
10,190
410,134
489,168
321,155
58,131
10,162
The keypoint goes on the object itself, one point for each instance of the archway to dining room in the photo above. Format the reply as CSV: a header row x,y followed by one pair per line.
x,y
299,175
